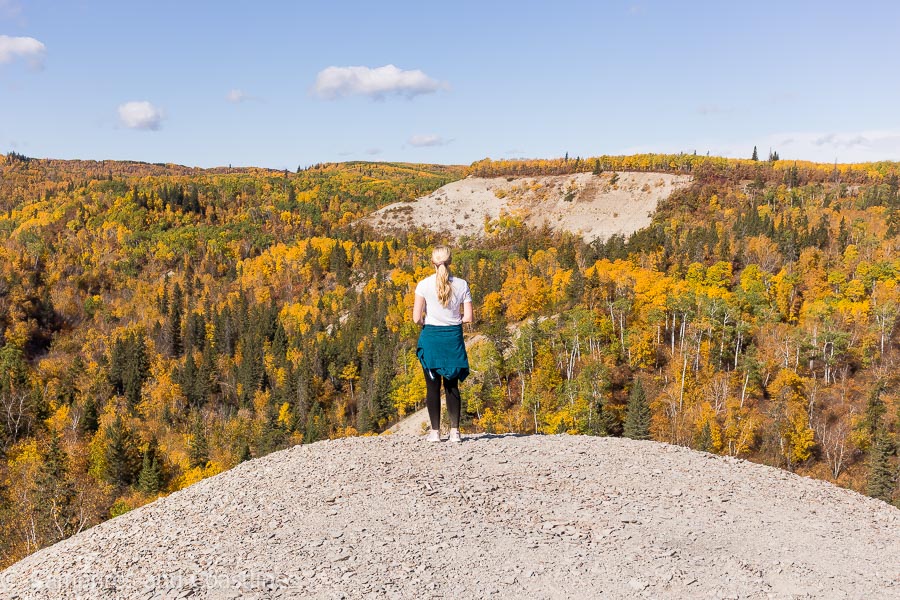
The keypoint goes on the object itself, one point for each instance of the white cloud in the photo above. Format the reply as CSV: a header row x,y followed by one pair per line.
x,y
140,115
428,140
26,48
236,96
373,151
845,147
337,82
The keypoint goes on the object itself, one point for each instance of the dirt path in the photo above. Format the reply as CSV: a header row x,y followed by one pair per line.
x,y
412,424
493,517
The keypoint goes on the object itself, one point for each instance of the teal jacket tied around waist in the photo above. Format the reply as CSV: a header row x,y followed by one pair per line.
x,y
441,348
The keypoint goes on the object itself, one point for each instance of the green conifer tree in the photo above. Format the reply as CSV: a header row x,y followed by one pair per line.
x,y
244,454
637,414
704,439
198,449
605,422
122,457
338,264
57,515
882,478
874,410
90,420
173,323
150,477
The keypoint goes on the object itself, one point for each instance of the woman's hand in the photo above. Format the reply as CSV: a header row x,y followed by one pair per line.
x,y
418,315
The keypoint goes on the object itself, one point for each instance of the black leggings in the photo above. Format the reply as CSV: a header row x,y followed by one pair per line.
x,y
433,399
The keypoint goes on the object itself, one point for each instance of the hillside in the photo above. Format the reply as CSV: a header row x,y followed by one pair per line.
x,y
160,325
592,206
496,516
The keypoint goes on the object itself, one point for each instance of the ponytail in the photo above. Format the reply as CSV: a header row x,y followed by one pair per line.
x,y
443,284
441,259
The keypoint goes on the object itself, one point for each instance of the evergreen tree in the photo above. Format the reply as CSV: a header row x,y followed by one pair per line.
x,y
882,476
270,435
315,426
637,414
338,264
575,289
57,513
843,235
90,420
129,366
173,322
150,477
605,422
198,449
195,335
244,454
755,155
189,382
163,301
279,341
122,457
875,409
204,382
704,439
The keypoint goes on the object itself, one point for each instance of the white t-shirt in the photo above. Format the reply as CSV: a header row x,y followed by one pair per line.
x,y
435,314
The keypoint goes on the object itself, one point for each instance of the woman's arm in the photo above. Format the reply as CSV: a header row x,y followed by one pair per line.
x,y
419,310
468,315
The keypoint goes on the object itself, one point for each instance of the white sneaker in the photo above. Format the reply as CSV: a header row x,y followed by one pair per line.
x,y
454,436
434,436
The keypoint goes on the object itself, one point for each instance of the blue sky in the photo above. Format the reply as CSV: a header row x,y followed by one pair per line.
x,y
269,83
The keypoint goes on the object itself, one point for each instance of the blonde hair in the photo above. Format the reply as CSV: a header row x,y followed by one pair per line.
x,y
441,257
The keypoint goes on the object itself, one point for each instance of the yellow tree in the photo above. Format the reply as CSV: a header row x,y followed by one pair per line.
x,y
796,438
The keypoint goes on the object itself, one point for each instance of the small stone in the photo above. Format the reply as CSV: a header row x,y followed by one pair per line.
x,y
638,585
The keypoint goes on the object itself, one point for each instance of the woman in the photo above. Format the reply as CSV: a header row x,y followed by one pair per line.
x,y
443,304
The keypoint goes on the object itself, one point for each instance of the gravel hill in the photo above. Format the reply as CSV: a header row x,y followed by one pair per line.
x,y
593,206
493,517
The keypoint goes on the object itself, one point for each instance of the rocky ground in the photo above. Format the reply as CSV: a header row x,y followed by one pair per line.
x,y
493,517
593,206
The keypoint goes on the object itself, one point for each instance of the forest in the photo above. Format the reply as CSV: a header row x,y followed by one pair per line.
x,y
160,324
